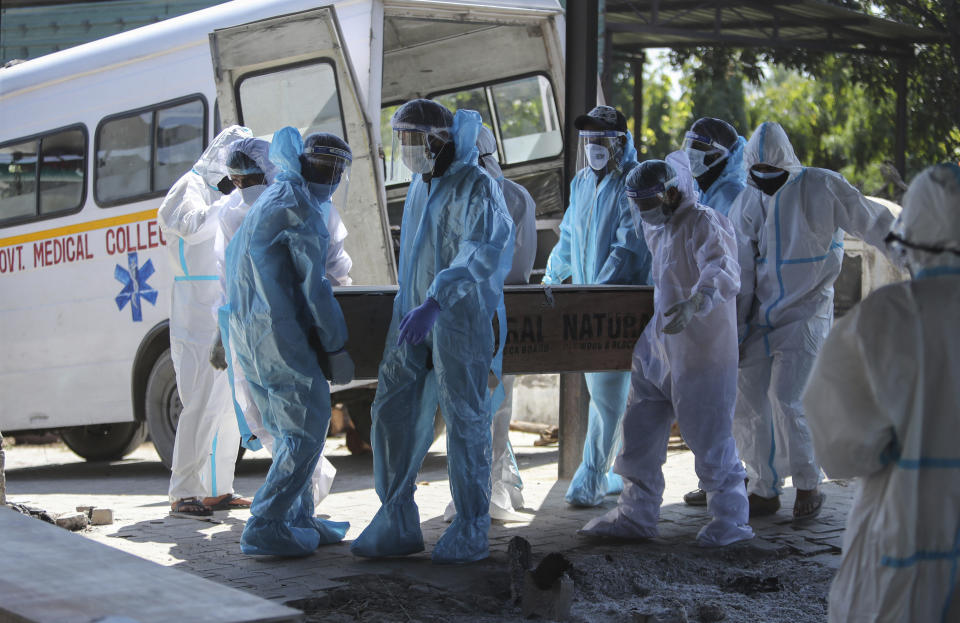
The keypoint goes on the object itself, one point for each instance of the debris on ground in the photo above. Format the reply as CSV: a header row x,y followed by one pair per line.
x,y
519,561
636,583
73,521
33,511
101,516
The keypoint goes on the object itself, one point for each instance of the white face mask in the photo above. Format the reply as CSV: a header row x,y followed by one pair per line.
x,y
766,175
655,216
697,166
597,156
250,194
416,159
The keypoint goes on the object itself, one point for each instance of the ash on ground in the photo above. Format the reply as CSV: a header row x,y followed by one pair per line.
x,y
627,582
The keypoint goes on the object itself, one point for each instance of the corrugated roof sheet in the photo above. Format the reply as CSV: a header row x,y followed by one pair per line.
x,y
811,24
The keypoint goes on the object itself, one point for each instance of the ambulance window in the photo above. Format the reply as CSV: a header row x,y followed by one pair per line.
x,y
302,96
141,153
527,115
29,192
472,99
62,160
179,141
123,158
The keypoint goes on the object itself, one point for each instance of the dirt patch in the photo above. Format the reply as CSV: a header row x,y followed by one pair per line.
x,y
641,583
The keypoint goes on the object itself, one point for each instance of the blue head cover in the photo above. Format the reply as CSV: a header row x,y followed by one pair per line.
x,y
466,128
285,149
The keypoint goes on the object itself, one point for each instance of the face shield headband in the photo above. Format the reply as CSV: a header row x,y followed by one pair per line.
x,y
647,204
894,240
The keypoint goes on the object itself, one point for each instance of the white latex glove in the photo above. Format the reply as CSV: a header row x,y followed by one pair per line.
x,y
684,311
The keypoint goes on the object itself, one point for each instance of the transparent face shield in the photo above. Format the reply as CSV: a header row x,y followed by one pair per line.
x,y
703,153
647,205
412,153
600,150
327,173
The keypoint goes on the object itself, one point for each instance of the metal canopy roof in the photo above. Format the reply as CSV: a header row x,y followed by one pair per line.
x,y
633,25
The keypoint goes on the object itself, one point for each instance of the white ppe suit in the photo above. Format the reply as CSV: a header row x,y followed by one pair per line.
x,y
791,249
207,439
689,376
883,404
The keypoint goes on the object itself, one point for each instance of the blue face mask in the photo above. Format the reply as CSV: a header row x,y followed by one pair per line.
x,y
321,192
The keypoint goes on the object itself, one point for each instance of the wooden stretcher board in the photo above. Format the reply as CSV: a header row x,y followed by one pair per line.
x,y
563,329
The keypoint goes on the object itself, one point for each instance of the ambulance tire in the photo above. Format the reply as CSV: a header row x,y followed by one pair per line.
x,y
105,442
162,406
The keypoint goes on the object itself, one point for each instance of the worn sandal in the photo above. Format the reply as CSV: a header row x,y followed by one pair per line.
x,y
813,510
229,501
191,506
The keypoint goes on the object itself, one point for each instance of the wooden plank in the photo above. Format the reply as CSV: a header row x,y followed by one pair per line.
x,y
582,329
49,575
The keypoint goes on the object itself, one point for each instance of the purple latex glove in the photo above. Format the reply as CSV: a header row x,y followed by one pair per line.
x,y
418,322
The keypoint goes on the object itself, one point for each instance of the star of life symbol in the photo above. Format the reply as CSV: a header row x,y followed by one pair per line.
x,y
135,286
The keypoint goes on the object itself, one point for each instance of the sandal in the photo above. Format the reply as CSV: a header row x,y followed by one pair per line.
x,y
761,506
229,501
697,497
814,505
190,506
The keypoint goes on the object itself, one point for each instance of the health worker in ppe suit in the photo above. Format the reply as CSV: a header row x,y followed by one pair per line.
x,y
884,406
250,171
685,362
456,247
207,439
790,222
288,333
506,493
600,245
715,151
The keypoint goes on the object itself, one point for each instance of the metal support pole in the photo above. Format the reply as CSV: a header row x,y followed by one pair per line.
x,y
581,76
900,136
3,480
581,96
637,68
574,410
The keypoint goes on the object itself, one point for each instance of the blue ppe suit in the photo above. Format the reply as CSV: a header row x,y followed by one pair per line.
x,y
278,296
690,376
790,253
600,245
456,246
732,181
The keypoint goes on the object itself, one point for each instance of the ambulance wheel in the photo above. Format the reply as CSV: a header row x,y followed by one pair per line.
x,y
163,407
105,442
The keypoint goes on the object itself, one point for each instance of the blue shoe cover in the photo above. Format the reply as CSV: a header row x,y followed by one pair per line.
x,y
587,487
720,532
614,483
269,537
394,531
463,542
617,525
330,531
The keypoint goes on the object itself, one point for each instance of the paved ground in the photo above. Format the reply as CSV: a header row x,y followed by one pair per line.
x,y
53,478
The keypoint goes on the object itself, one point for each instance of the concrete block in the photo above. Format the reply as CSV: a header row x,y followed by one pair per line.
x,y
101,516
553,603
72,521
